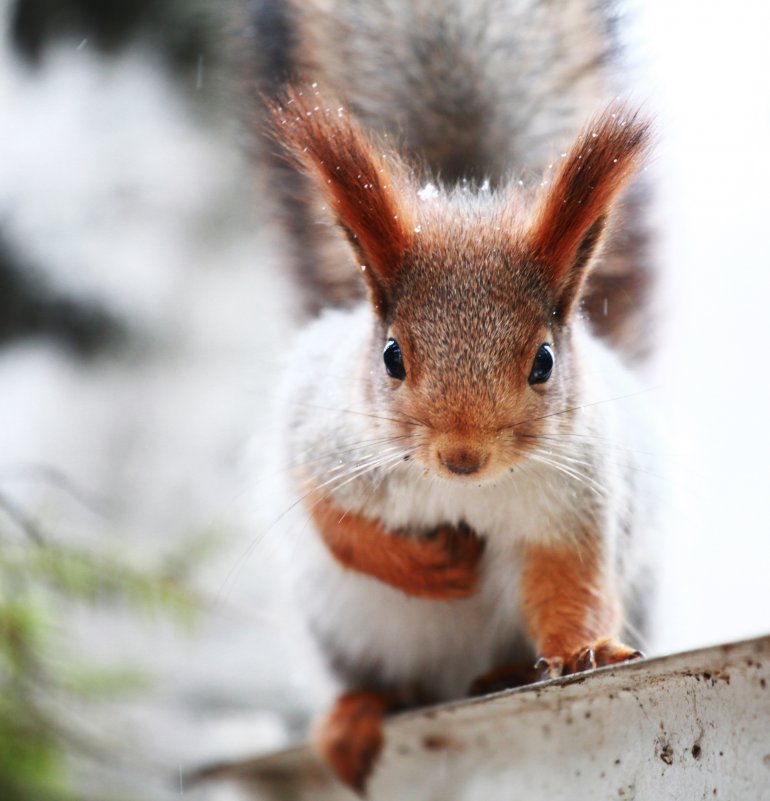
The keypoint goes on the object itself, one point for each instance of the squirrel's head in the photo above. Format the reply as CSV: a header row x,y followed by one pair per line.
x,y
474,290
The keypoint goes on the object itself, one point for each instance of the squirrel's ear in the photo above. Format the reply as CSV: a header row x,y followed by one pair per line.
x,y
363,184
572,210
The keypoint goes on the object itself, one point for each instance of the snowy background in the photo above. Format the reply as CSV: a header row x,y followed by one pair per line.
x,y
128,186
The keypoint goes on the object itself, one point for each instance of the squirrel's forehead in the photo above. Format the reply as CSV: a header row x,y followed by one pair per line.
x,y
472,277
481,317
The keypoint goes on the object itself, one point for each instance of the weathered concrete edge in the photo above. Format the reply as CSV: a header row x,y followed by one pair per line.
x,y
712,661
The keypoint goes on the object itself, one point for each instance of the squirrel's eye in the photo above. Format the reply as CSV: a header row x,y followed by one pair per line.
x,y
394,362
541,369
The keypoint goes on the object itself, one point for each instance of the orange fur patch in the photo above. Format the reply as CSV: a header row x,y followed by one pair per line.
x,y
443,566
568,601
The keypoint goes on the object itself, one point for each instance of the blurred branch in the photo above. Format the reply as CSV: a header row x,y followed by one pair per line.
x,y
43,677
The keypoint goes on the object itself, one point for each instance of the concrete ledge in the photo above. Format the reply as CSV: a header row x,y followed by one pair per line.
x,y
689,726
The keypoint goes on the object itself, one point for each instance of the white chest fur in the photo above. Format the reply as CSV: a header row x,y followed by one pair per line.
x,y
400,639
368,624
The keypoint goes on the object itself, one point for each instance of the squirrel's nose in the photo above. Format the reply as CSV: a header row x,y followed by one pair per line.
x,y
463,462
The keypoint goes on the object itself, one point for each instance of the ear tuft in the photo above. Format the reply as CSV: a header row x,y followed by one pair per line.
x,y
363,183
572,209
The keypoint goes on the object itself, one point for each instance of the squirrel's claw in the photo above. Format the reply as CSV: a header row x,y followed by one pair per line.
x,y
606,651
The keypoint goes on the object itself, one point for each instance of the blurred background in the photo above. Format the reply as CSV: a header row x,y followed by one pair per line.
x,y
143,318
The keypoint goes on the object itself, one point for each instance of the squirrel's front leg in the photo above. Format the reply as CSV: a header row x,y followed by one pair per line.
x,y
442,565
571,607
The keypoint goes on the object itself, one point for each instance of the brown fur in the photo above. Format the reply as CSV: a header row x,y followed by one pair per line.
x,y
441,566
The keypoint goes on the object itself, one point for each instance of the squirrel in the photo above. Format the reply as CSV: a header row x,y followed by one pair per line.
x,y
460,442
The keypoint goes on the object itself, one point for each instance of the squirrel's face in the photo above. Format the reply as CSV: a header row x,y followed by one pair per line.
x,y
473,292
471,360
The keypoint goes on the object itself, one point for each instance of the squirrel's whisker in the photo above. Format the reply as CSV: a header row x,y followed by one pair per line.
x,y
581,406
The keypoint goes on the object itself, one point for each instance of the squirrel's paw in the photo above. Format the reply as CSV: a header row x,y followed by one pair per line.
x,y
448,557
606,651
349,738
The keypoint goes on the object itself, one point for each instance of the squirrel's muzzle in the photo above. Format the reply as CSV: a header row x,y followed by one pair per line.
x,y
463,461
